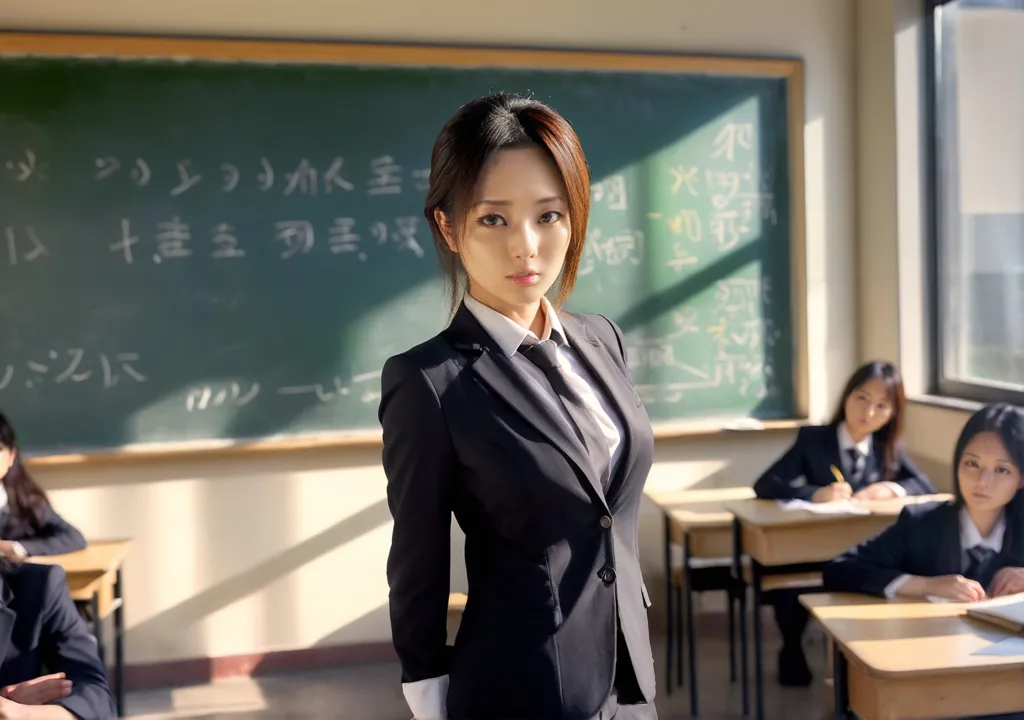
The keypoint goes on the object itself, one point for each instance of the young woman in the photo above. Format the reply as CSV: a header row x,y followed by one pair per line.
x,y
40,628
863,443
964,550
863,446
28,523
522,420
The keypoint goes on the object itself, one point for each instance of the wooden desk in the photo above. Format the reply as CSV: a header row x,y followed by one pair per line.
x,y
911,660
697,521
779,541
94,579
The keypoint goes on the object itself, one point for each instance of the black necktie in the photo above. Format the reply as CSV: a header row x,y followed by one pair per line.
x,y
857,465
979,561
545,356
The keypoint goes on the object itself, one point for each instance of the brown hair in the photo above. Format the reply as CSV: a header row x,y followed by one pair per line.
x,y
469,139
892,432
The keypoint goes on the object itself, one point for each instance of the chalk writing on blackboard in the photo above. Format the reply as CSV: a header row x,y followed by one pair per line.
x,y
384,176
74,366
626,247
731,136
23,245
612,192
26,167
174,239
229,394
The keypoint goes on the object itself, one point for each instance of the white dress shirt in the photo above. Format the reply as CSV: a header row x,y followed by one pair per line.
x,y
18,548
428,698
970,537
846,443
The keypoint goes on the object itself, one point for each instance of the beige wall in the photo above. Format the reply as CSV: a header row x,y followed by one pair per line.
x,y
891,229
246,555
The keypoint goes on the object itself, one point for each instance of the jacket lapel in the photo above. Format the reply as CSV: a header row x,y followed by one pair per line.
x,y
500,375
833,455
615,385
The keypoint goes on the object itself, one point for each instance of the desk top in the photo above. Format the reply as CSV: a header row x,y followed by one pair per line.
x,y
98,556
704,508
767,513
908,637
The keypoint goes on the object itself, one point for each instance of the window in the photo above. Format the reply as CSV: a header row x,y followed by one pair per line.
x,y
978,198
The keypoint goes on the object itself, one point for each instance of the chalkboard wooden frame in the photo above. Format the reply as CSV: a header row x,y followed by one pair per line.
x,y
284,51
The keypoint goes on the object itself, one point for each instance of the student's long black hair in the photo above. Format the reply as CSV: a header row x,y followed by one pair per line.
x,y
1003,419
26,501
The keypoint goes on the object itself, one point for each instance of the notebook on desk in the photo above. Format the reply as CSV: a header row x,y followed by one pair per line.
x,y
1007,612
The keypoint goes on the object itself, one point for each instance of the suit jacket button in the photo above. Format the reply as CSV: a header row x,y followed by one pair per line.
x,y
606,521
607,575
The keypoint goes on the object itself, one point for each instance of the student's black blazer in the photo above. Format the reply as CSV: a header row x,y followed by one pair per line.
x,y
41,632
925,541
812,456
552,559
55,536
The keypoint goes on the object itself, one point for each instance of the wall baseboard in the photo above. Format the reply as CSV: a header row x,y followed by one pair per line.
x,y
198,671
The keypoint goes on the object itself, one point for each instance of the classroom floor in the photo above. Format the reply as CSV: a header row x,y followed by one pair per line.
x,y
372,692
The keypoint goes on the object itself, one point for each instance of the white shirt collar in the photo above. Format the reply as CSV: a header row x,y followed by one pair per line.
x,y
846,442
507,332
970,536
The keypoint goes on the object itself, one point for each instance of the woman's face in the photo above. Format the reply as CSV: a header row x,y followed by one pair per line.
x,y
516,233
987,476
868,408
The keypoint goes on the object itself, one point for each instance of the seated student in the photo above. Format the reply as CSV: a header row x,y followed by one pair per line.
x,y
28,523
964,550
863,443
41,631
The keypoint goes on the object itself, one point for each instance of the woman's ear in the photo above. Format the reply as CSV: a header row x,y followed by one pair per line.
x,y
446,229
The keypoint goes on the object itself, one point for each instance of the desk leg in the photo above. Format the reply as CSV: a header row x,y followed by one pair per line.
x,y
731,597
691,632
755,567
840,688
669,610
737,569
119,645
97,628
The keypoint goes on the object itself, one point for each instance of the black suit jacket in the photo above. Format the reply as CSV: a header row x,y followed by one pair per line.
x,y
55,536
925,541
550,578
812,456
41,632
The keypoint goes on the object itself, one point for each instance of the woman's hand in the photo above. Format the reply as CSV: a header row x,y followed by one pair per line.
x,y
954,587
831,492
38,691
876,491
1008,581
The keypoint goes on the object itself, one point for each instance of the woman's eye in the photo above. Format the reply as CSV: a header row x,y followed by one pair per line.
x,y
492,220
550,216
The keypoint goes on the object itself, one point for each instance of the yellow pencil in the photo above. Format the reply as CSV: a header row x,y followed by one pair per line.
x,y
838,475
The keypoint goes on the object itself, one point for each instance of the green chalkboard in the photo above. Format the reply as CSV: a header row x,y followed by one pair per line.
x,y
206,251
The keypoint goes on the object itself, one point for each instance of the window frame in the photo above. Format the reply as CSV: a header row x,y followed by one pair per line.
x,y
938,91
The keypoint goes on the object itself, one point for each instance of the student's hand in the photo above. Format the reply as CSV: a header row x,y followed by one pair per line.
x,y
955,587
11,550
832,491
1008,581
875,491
10,710
38,691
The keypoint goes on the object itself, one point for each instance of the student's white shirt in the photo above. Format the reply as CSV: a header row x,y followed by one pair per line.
x,y
846,443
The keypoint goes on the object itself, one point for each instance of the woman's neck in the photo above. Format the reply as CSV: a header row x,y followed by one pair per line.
x,y
857,439
984,520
